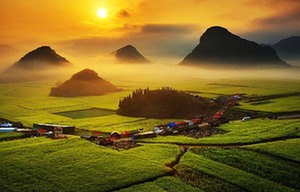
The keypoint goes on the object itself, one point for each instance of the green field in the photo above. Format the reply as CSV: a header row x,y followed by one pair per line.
x,y
40,164
10,136
239,132
275,105
30,103
286,173
235,176
285,149
86,113
267,158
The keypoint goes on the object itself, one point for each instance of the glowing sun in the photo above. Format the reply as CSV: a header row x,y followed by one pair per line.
x,y
102,13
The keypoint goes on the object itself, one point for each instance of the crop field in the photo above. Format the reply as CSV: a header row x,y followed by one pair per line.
x,y
10,136
287,149
86,113
274,105
41,164
235,176
163,184
266,158
239,132
286,173
30,103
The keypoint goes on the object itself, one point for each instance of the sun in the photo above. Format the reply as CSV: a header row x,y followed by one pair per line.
x,y
102,13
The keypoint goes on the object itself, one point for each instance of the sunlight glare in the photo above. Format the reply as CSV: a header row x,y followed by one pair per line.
x,y
102,13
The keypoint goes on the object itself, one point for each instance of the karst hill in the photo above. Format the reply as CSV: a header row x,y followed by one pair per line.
x,y
130,55
84,83
219,47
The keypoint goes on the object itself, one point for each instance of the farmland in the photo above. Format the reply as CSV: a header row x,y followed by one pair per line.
x,y
264,157
243,179
239,132
17,105
78,165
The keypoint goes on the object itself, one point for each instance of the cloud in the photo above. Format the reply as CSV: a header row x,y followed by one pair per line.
x,y
291,18
158,40
168,29
124,14
278,25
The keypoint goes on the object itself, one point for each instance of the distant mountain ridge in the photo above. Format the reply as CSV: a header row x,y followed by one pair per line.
x,y
84,83
288,48
129,54
219,47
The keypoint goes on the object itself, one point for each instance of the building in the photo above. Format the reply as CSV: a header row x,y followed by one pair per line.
x,y
66,129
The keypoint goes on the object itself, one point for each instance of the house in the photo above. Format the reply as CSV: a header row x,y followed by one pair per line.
x,y
7,129
6,125
66,129
246,119
115,135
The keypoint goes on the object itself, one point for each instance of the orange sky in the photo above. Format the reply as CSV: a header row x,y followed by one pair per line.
x,y
73,21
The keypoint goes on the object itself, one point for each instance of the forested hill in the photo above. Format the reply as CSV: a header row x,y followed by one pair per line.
x,y
161,103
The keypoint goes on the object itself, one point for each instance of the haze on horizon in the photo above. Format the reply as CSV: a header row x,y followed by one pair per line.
x,y
164,32
158,28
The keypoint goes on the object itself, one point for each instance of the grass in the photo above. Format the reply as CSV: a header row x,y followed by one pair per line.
x,y
86,113
144,187
204,181
40,164
29,102
287,149
275,105
10,136
283,172
240,132
232,175
163,184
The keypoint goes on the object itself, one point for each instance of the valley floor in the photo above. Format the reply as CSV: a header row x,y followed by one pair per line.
x,y
257,155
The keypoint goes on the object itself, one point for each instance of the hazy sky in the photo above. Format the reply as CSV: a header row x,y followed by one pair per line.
x,y
172,25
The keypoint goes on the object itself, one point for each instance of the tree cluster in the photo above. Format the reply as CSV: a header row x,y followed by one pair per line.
x,y
161,103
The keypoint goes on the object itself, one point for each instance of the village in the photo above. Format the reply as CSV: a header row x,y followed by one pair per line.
x,y
197,126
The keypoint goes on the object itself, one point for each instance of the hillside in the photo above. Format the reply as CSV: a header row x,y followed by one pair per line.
x,y
219,47
84,83
40,58
161,103
288,48
129,54
38,64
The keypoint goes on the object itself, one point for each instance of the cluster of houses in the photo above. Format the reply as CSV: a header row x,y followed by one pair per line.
x,y
51,130
127,138
7,127
172,128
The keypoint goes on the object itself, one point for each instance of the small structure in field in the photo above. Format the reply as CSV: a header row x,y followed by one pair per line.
x,y
7,129
246,119
66,129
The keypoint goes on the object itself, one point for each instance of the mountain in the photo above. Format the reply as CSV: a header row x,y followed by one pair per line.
x,y
38,64
84,83
288,48
130,54
218,47
40,58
